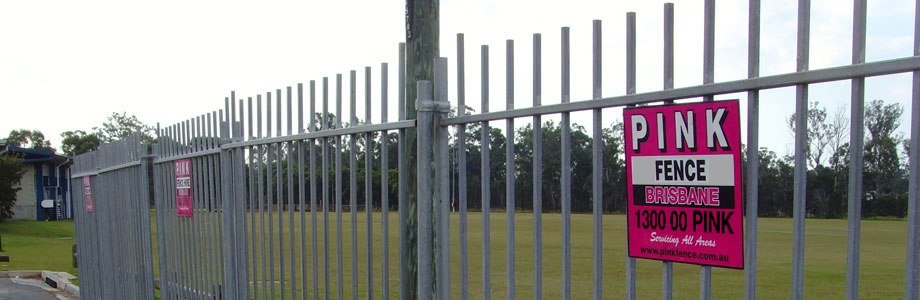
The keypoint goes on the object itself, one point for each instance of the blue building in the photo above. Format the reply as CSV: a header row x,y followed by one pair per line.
x,y
45,192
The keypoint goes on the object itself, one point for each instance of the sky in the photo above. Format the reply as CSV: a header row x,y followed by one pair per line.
x,y
67,65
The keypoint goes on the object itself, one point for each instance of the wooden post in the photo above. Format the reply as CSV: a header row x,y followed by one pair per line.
x,y
422,47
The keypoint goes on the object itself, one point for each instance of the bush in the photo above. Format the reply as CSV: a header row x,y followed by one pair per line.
x,y
891,204
10,174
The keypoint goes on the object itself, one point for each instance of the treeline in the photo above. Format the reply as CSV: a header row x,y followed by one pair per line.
x,y
884,179
884,176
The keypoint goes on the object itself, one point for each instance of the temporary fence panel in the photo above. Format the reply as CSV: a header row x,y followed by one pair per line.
x,y
113,221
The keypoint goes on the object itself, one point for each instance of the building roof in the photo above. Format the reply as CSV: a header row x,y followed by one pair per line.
x,y
33,155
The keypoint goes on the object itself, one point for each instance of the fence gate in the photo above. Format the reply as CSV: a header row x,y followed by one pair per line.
x,y
113,232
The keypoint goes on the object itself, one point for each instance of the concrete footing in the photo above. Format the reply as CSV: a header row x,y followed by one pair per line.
x,y
58,280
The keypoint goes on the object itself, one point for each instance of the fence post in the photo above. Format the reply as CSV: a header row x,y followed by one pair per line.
x,y
229,270
425,121
442,183
433,206
238,205
145,170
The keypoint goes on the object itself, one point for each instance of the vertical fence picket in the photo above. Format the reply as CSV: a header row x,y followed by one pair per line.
x,y
441,192
324,124
190,278
340,266
353,183
368,186
537,170
206,207
597,163
260,154
226,191
461,172
402,180
630,89
801,144
566,177
912,272
290,193
486,181
509,168
202,214
270,195
313,196
254,187
855,188
216,204
239,212
667,267
301,186
279,194
198,182
159,210
709,15
384,187
753,148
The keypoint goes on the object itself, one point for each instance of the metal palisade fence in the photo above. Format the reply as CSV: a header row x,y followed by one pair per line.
x,y
244,211
113,231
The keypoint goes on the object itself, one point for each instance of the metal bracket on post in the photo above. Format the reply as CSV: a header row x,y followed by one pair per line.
x,y
433,106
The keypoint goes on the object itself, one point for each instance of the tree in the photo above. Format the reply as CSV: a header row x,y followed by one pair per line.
x,y
10,174
79,142
819,133
34,139
775,187
615,194
839,130
120,125
883,164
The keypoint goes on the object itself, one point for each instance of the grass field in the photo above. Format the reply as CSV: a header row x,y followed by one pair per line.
x,y
46,245
881,275
38,245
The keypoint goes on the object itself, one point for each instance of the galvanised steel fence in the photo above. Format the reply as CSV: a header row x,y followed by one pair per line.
x,y
261,213
113,221
192,249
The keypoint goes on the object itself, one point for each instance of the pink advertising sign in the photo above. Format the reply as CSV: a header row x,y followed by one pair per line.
x,y
88,194
684,183
184,188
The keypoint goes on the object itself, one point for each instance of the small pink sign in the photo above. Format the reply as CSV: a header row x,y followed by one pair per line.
x,y
684,183
184,188
88,194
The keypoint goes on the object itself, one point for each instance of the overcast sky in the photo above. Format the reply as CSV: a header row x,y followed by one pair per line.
x,y
67,65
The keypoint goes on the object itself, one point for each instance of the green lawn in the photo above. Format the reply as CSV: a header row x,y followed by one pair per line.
x,y
43,245
38,245
882,260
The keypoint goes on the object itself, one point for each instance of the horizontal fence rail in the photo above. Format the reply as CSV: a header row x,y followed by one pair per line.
x,y
265,198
